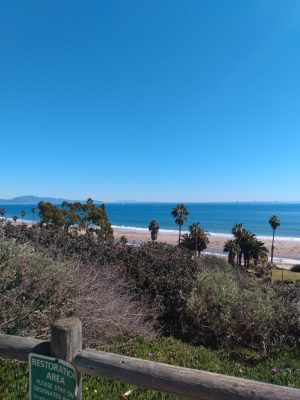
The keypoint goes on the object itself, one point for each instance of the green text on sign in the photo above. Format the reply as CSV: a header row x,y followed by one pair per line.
x,y
50,379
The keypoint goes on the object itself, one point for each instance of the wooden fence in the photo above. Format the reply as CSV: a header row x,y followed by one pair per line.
x,y
66,344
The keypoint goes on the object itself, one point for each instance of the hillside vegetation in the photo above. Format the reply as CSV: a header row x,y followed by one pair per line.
x,y
152,301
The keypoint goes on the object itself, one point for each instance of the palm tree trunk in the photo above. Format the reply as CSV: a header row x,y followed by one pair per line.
x,y
272,248
179,234
240,258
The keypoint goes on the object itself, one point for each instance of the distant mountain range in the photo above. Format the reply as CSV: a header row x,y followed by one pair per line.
x,y
35,200
31,200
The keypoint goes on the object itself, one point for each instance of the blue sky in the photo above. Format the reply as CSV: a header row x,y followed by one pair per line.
x,y
192,100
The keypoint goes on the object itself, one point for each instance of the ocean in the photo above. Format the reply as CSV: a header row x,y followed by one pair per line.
x,y
215,218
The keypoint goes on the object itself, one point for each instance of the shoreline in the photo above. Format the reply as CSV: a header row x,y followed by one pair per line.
x,y
286,254
170,232
173,232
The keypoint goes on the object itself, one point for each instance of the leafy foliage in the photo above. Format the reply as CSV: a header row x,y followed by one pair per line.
x,y
30,292
89,216
227,307
245,244
274,221
200,300
164,274
197,239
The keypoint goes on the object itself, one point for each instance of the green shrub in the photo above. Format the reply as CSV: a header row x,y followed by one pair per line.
x,y
201,300
29,289
165,274
228,308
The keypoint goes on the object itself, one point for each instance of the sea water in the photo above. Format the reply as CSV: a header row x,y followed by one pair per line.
x,y
215,218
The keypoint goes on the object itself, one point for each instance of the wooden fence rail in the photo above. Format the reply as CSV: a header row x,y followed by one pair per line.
x,y
193,384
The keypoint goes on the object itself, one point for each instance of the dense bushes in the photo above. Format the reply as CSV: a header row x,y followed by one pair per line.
x,y
60,243
227,309
202,300
36,289
165,274
209,302
30,289
160,273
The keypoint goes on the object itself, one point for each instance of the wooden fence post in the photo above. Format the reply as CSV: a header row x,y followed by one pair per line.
x,y
66,343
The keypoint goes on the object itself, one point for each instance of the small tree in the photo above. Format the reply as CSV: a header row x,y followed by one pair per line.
x,y
180,213
97,217
51,215
274,221
15,218
72,213
154,228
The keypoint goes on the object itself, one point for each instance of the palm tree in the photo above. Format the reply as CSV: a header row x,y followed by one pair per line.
x,y
253,249
154,228
274,221
15,218
197,239
257,250
238,232
2,213
23,213
33,211
246,245
242,238
233,249
180,213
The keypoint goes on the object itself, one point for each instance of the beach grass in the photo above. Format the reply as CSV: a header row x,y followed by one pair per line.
x,y
281,369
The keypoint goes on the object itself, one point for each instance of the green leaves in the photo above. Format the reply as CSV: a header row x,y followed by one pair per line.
x,y
197,239
245,244
274,221
180,213
228,308
87,216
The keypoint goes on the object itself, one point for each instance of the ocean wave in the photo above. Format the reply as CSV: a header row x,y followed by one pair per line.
x,y
123,228
281,238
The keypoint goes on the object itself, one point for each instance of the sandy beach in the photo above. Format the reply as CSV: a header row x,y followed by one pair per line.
x,y
287,252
